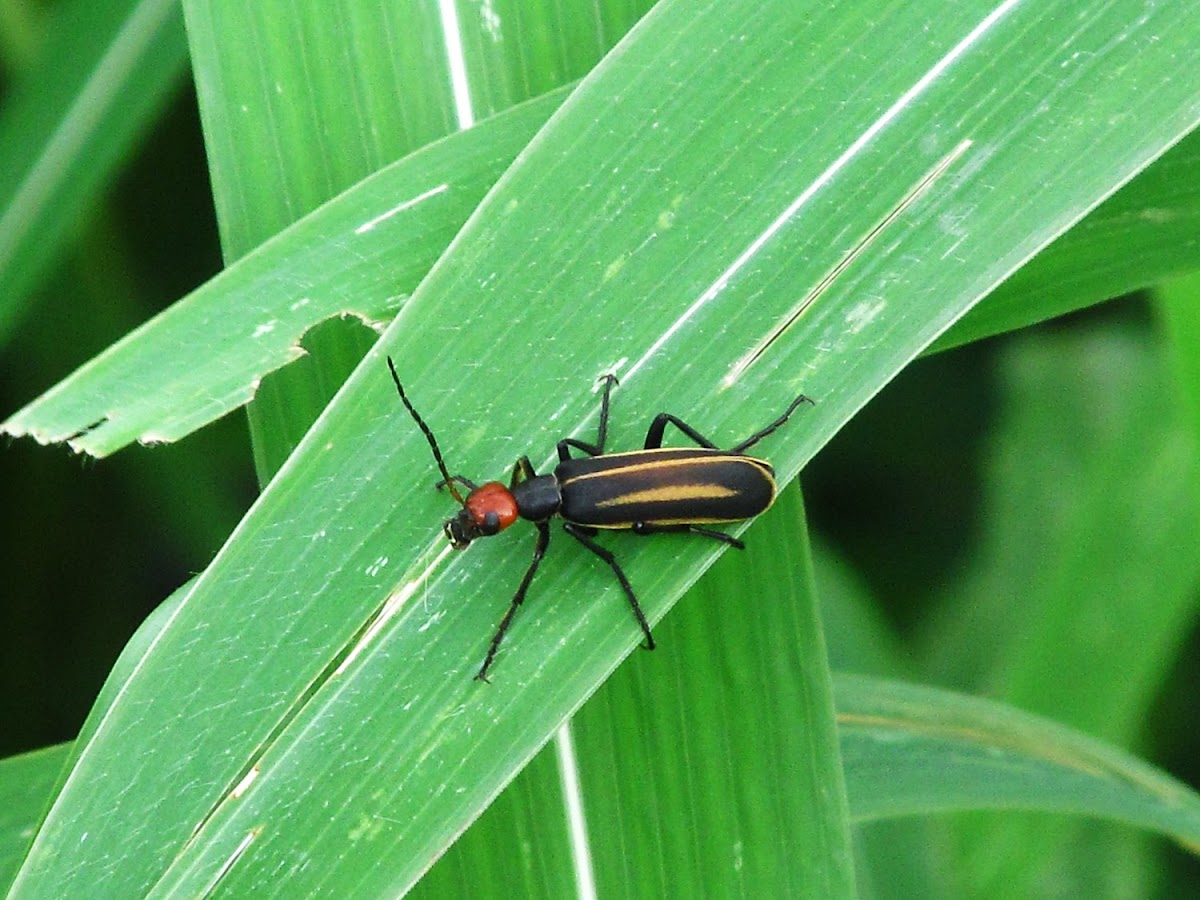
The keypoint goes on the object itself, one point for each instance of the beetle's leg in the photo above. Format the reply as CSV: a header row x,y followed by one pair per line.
x,y
759,435
650,528
654,437
596,449
539,550
582,534
522,471
465,482
602,432
564,454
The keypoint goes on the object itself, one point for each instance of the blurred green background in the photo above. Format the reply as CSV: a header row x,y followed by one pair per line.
x,y
93,547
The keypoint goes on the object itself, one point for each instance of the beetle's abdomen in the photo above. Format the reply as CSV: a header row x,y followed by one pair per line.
x,y
664,487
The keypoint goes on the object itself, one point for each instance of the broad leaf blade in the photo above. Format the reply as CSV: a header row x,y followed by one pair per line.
x,y
911,749
308,275
360,255
1141,235
712,767
720,210
26,788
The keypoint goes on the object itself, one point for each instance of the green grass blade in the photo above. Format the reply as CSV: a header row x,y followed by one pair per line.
x,y
26,788
1141,235
712,767
362,254
911,749
511,56
308,275
520,846
282,144
286,743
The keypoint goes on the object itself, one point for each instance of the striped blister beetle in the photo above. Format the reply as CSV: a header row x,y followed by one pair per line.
x,y
650,491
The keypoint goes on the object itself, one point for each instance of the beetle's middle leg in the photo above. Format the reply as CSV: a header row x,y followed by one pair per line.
x,y
581,534
539,550
654,437
596,449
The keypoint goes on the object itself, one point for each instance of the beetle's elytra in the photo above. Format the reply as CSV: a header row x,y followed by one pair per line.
x,y
649,491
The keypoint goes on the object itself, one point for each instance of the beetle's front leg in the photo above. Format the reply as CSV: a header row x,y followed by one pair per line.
x,y
522,471
457,479
539,550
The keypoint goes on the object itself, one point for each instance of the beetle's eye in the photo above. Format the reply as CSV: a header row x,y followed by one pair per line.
x,y
490,524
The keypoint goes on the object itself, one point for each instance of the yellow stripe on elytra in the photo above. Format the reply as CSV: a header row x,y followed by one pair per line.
x,y
669,494
637,468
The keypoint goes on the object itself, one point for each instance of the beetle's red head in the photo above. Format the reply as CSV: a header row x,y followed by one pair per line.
x,y
488,510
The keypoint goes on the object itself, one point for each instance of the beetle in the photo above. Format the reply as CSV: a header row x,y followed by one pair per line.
x,y
650,491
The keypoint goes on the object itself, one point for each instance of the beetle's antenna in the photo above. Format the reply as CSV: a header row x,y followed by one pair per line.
x,y
433,444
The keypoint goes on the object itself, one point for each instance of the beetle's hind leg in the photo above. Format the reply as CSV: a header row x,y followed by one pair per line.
x,y
583,535
774,426
644,528
654,437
